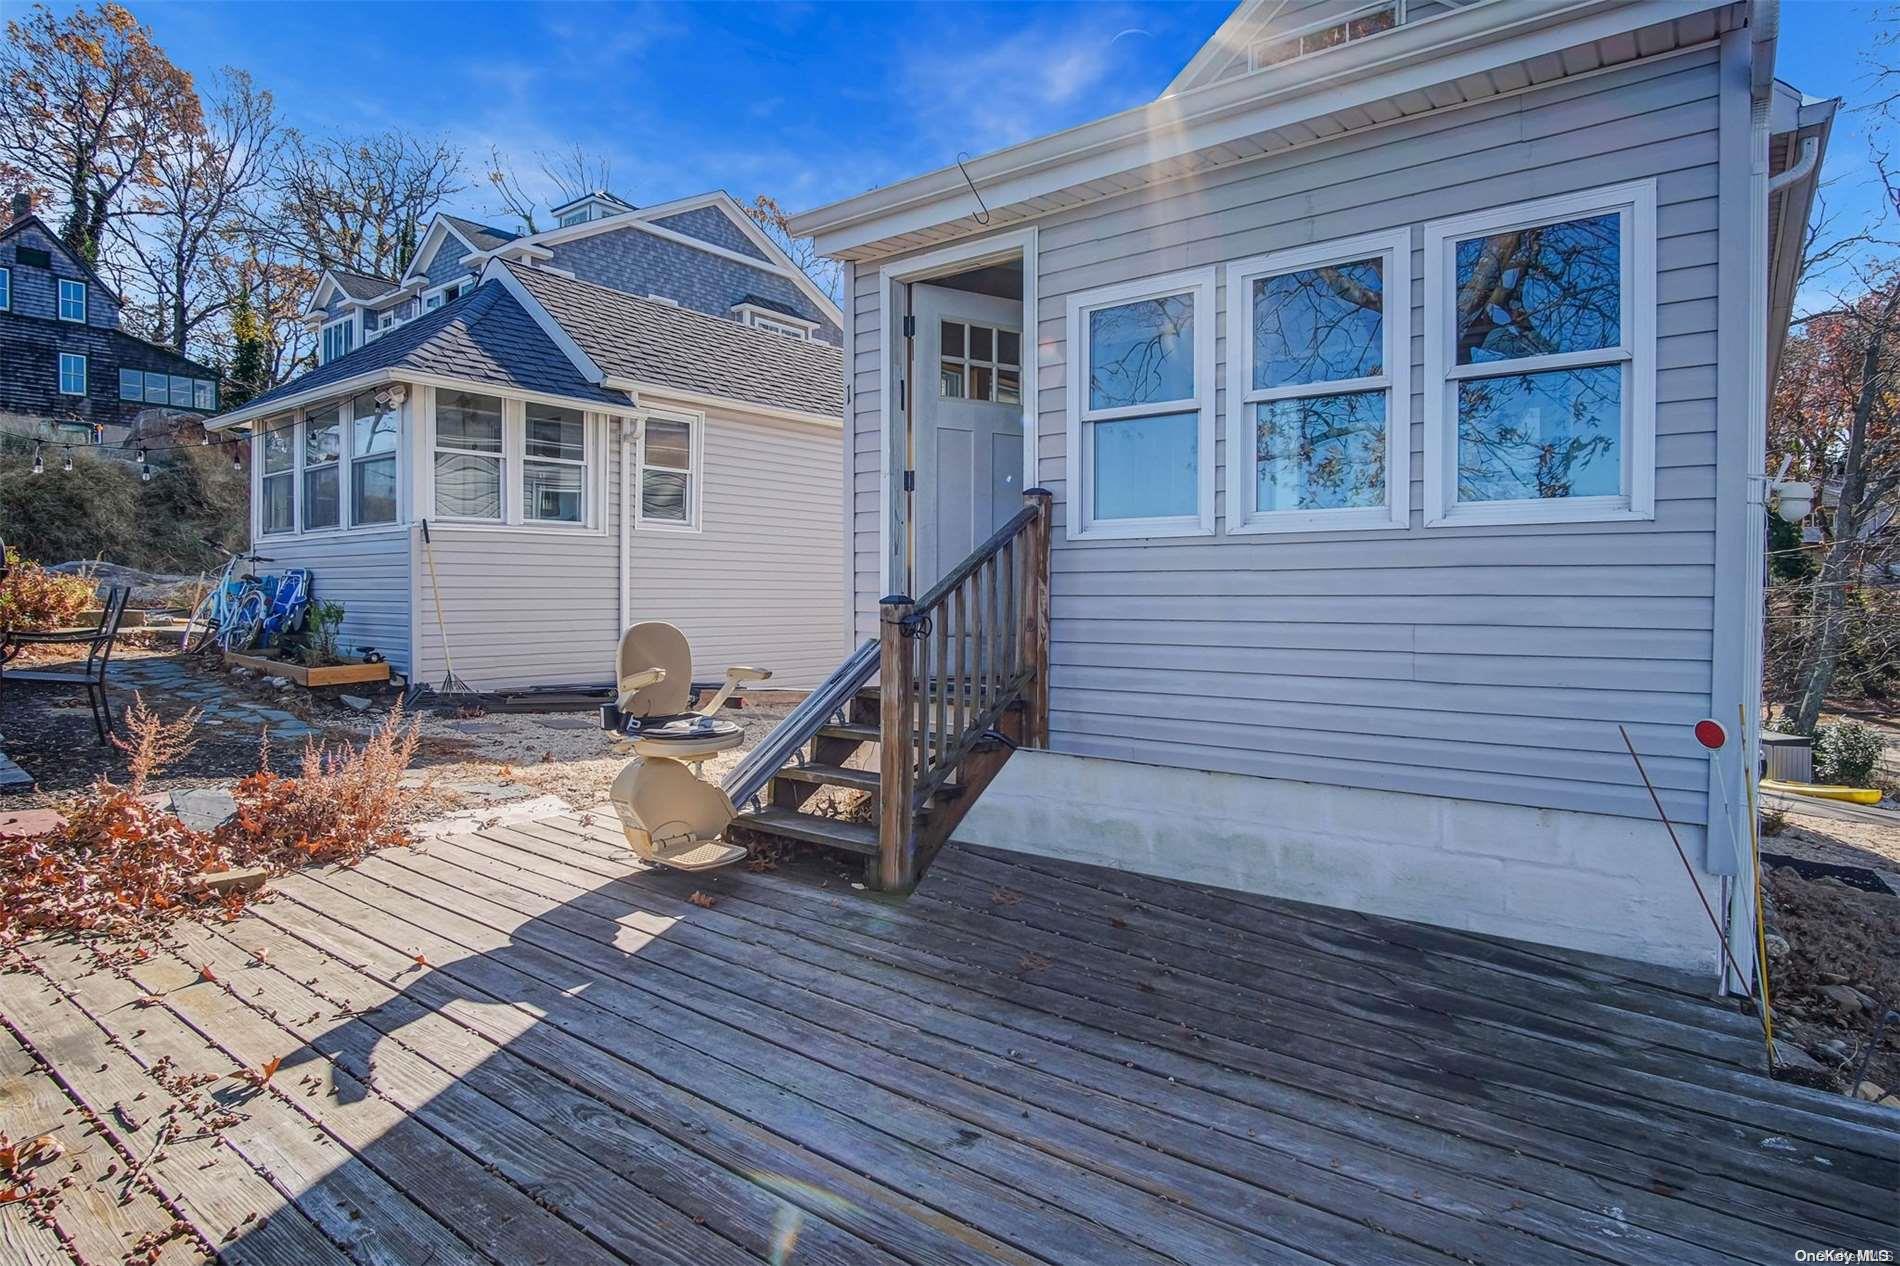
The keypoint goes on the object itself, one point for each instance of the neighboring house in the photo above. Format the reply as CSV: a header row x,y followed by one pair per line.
x,y
597,429
68,373
1400,377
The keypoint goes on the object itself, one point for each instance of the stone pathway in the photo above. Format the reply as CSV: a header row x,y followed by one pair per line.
x,y
222,704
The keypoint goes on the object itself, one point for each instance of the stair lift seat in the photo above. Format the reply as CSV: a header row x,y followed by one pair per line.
x,y
668,813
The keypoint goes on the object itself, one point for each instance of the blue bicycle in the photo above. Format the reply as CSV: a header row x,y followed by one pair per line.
x,y
214,621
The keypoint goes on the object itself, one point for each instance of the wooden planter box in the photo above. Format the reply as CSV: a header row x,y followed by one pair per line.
x,y
331,675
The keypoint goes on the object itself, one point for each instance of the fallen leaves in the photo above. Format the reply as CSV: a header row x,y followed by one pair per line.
x,y
703,900
207,975
17,1158
261,1075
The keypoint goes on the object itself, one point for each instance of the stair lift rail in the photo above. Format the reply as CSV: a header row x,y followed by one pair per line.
x,y
798,728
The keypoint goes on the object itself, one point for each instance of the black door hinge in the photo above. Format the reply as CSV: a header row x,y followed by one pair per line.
x,y
900,395
910,481
910,325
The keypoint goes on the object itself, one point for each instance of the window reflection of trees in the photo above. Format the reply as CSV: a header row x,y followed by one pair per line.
x,y
1542,435
1319,325
1321,452
1540,291
1141,352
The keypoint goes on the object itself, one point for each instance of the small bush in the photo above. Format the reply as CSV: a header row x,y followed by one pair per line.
x,y
33,598
120,865
1846,753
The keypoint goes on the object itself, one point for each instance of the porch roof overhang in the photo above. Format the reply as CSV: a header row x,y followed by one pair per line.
x,y
1488,49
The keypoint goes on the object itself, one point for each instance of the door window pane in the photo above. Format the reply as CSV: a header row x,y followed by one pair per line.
x,y
1141,352
1539,291
1146,468
982,342
950,382
1009,386
1526,436
1319,325
467,486
1009,347
466,420
1320,452
952,338
981,382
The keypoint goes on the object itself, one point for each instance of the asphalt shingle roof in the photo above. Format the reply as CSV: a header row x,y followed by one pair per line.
x,y
483,237
772,305
483,337
362,285
667,346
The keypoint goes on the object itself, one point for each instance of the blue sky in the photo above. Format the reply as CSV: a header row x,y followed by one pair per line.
x,y
804,101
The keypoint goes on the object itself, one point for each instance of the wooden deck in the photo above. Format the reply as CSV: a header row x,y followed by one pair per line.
x,y
517,1047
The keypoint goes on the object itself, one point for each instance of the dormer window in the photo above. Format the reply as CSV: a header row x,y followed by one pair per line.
x,y
338,338
774,321
572,218
1317,39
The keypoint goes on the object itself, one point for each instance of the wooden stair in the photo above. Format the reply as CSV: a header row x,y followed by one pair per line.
x,y
963,675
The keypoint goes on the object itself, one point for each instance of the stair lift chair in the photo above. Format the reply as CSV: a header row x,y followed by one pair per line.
x,y
669,814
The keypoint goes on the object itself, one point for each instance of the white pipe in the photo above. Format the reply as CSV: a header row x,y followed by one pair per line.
x,y
1803,164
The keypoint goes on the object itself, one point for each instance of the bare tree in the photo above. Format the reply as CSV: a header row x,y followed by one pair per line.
x,y
358,203
573,173
185,222
86,106
766,212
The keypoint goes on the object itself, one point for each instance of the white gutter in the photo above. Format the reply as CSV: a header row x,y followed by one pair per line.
x,y
637,389
1803,164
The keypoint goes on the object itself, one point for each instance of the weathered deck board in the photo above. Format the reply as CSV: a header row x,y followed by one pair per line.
x,y
516,1045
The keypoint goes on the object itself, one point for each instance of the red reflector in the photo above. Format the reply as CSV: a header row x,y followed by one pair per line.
x,y
1710,734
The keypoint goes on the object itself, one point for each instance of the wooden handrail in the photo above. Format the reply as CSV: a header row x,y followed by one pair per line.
x,y
952,667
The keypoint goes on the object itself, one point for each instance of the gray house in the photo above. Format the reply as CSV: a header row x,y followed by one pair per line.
x,y
628,417
1400,377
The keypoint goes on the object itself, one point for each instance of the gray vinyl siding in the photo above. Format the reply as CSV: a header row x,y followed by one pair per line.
x,y
1491,663
758,584
447,263
367,572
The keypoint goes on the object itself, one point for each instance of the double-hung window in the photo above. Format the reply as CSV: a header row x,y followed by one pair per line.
x,y
6,289
72,300
1141,408
1318,398
1540,361
72,374
277,465
468,456
553,464
132,384
373,429
322,451
338,338
669,475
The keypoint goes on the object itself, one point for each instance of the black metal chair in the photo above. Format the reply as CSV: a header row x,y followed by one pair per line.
x,y
92,675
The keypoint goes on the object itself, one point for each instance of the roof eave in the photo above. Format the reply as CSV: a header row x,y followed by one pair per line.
x,y
1445,47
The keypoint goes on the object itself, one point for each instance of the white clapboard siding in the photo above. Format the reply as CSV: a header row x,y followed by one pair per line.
x,y
1490,663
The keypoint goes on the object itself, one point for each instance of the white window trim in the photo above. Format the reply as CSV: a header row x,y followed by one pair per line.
x,y
771,319
1637,350
1081,525
695,474
345,519
295,475
347,480
6,300
586,463
440,293
513,450
1394,248
356,335
59,300
342,492
85,374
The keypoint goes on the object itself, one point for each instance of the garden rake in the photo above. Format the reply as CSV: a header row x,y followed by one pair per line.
x,y
451,683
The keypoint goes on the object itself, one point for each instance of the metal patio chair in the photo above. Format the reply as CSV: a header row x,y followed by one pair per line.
x,y
92,674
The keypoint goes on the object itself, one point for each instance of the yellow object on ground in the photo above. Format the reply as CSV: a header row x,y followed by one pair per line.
x,y
1823,791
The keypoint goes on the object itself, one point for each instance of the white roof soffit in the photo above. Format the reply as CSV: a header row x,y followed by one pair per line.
x,y
1467,54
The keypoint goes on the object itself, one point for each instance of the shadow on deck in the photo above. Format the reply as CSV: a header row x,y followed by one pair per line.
x,y
516,1046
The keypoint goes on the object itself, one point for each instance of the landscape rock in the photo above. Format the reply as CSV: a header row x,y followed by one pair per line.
x,y
1793,1058
241,671
357,702
278,683
1832,1051
204,808
1847,997
1870,1092
1777,946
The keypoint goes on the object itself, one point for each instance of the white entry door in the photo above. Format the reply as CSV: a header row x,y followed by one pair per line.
x,y
969,424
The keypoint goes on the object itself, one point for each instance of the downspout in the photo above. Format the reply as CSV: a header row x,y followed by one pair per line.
x,y
629,457
1803,164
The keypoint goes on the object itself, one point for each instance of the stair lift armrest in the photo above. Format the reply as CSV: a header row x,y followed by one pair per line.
x,y
735,677
634,683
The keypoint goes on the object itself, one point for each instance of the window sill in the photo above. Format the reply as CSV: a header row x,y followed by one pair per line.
x,y
676,529
1135,529
1282,522
528,529
1524,513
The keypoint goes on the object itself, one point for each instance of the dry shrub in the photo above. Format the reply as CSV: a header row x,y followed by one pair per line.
x,y
33,598
117,863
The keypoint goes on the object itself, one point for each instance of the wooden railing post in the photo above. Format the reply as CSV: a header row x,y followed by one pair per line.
x,y
1033,619
897,748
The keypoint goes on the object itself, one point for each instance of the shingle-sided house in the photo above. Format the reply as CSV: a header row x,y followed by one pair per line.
x,y
68,373
1400,377
600,424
